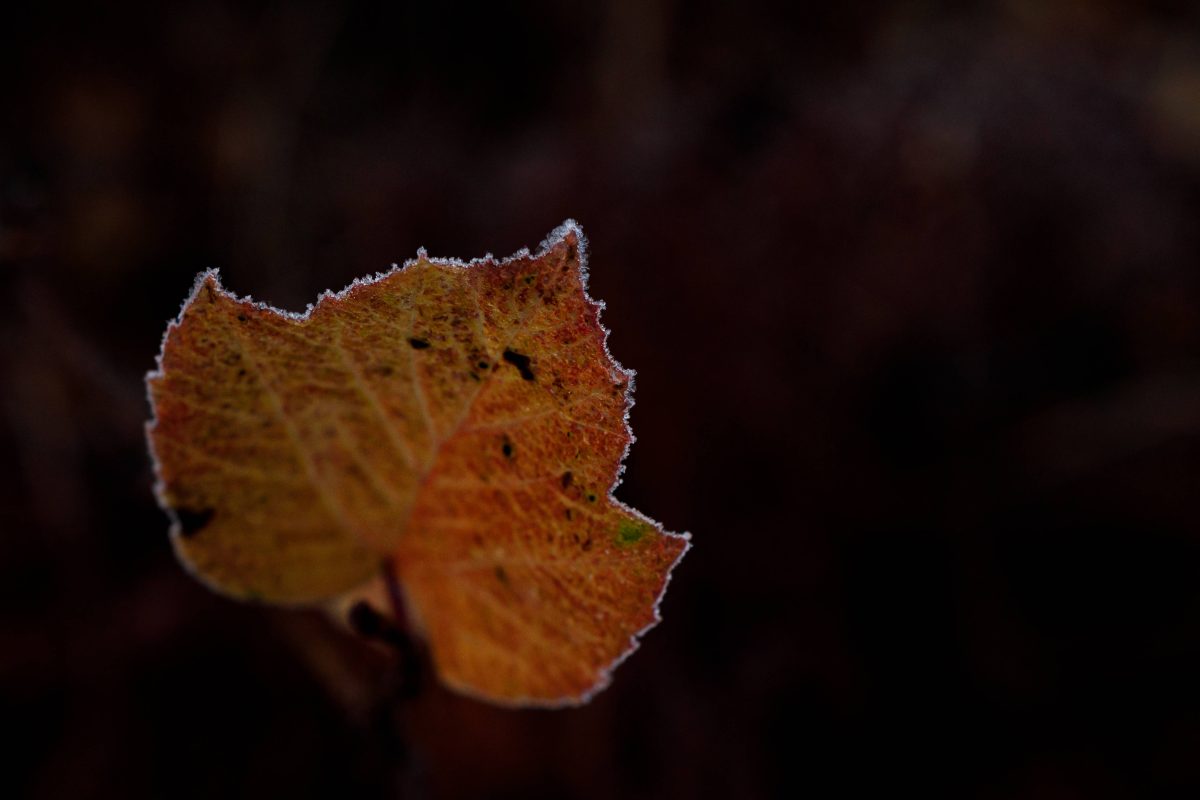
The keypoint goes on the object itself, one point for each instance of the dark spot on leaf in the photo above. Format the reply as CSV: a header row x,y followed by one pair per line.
x,y
507,448
501,575
528,279
591,498
571,252
474,375
521,362
241,372
587,544
418,344
569,515
482,365
567,477
192,521
241,317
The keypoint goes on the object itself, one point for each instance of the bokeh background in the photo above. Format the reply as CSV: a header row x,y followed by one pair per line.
x,y
913,291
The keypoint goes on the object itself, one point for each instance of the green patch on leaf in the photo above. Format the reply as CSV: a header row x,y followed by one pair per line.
x,y
631,532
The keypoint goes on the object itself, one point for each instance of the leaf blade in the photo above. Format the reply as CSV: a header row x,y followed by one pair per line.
x,y
462,421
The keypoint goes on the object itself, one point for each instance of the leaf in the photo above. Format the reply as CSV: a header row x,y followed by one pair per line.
x,y
462,422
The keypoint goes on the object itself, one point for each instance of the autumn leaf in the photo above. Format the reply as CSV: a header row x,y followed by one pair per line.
x,y
460,422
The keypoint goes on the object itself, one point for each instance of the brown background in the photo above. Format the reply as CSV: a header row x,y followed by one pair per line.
x,y
912,293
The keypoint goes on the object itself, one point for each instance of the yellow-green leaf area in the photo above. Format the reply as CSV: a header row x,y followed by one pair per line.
x,y
631,531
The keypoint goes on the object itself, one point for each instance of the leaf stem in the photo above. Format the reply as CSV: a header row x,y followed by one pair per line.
x,y
395,596
407,651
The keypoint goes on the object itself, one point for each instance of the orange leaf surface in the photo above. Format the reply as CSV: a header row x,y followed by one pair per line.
x,y
462,422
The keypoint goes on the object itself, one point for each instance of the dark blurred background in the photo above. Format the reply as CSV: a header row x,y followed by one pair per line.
x,y
913,292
